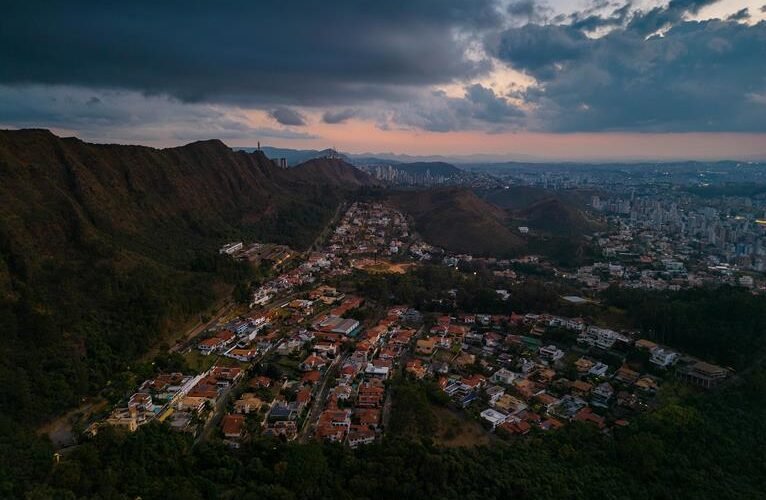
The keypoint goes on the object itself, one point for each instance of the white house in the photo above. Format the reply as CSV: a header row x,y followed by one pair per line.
x,y
663,357
494,417
551,353
503,376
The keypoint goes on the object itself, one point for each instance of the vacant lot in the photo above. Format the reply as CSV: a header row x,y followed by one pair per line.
x,y
382,267
456,430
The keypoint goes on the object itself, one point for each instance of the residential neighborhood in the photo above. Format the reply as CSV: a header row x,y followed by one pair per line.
x,y
306,360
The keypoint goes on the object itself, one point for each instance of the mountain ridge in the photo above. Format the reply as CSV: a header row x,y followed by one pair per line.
x,y
103,248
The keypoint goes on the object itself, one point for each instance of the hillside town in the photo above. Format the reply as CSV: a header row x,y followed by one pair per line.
x,y
301,362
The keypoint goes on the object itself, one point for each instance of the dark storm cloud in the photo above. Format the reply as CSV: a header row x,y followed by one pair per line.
x,y
529,10
287,116
119,116
588,21
245,52
663,16
335,117
740,15
697,76
479,109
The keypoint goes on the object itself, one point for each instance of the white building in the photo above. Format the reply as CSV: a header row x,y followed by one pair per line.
x,y
663,357
494,417
231,248
551,353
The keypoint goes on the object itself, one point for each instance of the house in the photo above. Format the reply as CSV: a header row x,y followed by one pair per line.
x,y
205,390
598,370
285,428
282,411
475,381
503,376
226,375
141,401
370,395
348,327
512,427
337,418
568,407
359,437
647,384
545,375
602,394
416,368
583,365
303,398
379,372
494,393
645,345
341,392
494,417
587,415
243,355
312,362
367,417
581,388
260,381
551,353
551,424
311,377
626,375
526,387
663,358
190,403
248,403
468,398
233,426
703,374
547,400
208,346
426,347
509,404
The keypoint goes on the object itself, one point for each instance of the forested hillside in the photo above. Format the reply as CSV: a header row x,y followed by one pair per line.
x,y
104,247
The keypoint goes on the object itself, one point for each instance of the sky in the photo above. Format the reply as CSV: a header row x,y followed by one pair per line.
x,y
509,79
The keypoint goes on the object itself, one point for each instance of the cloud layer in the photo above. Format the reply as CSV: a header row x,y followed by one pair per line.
x,y
201,66
694,76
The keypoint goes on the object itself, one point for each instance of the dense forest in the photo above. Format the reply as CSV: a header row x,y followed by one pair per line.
x,y
695,446
105,249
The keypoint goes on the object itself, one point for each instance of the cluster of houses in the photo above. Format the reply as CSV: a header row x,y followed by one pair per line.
x,y
353,411
184,401
370,228
521,372
280,405
236,339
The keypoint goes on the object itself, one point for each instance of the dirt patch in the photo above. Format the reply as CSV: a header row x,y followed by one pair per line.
x,y
456,430
382,266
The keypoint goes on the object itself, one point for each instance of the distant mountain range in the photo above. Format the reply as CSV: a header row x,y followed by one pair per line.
x,y
419,173
296,156
477,161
